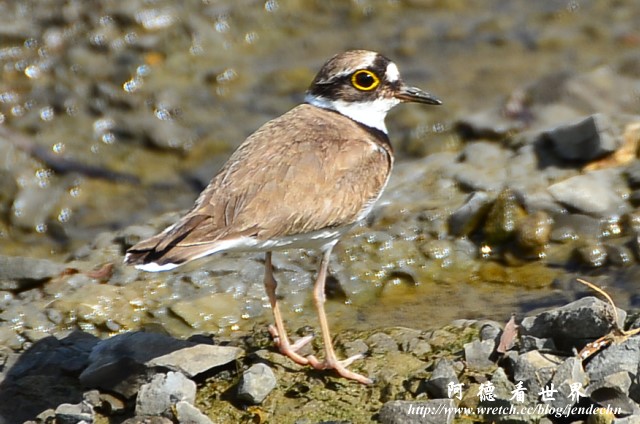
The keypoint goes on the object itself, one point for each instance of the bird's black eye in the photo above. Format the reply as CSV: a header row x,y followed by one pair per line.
x,y
365,80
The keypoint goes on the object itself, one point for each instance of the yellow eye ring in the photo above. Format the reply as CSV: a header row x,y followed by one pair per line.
x,y
365,80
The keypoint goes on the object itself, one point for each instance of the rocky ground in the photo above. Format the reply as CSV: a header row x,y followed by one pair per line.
x,y
495,207
146,377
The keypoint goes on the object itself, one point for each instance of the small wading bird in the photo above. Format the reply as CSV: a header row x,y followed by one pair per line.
x,y
300,181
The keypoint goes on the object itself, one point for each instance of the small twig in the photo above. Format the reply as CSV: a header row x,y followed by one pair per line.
x,y
617,335
606,296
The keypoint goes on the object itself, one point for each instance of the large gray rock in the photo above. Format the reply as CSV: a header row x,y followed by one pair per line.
x,y
256,384
164,390
119,363
572,325
583,140
616,358
433,411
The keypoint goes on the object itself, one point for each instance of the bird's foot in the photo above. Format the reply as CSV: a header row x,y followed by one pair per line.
x,y
340,367
289,349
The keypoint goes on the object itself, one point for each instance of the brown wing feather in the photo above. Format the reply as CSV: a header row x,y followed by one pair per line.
x,y
304,171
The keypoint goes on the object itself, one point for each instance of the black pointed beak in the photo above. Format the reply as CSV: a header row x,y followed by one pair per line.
x,y
415,95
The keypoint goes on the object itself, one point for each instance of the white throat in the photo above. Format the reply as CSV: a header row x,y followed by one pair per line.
x,y
371,113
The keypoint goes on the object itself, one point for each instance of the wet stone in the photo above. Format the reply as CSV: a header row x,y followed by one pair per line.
x,y
10,338
464,220
417,412
164,390
575,226
6,297
256,384
221,309
505,215
593,255
51,356
619,255
534,231
477,179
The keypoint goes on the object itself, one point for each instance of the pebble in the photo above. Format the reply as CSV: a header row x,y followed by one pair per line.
x,y
67,413
504,217
164,391
256,384
197,359
593,255
186,413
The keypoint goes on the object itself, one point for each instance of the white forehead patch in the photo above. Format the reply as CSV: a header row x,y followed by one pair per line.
x,y
393,74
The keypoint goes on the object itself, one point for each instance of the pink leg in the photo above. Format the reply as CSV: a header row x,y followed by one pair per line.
x,y
279,333
330,359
